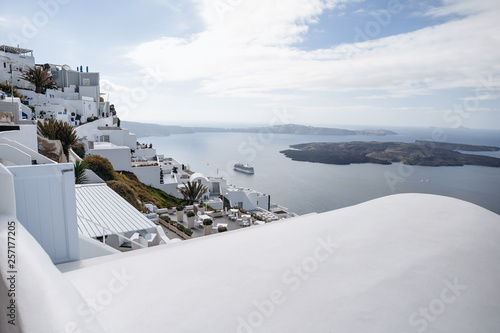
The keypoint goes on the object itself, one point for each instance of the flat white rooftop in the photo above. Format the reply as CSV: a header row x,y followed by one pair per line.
x,y
404,263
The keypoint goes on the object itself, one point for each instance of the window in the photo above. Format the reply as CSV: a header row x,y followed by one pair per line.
x,y
86,82
4,65
104,138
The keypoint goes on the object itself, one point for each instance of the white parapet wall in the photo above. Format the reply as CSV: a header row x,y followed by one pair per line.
x,y
149,175
46,207
119,156
246,198
19,151
26,135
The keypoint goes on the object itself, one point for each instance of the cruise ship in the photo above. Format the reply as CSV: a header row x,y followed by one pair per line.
x,y
244,168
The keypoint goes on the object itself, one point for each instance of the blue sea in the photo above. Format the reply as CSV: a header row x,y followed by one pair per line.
x,y
306,187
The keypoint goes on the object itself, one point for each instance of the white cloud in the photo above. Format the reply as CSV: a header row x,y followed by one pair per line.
x,y
463,7
482,97
251,49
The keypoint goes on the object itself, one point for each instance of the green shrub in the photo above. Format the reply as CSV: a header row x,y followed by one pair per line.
x,y
221,229
180,208
125,192
207,222
101,166
6,88
190,213
181,228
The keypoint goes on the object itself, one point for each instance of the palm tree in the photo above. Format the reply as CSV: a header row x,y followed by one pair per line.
x,y
67,136
193,191
48,129
59,130
40,77
80,176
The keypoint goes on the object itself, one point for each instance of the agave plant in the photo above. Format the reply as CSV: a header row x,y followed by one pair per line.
x,y
193,191
40,77
80,176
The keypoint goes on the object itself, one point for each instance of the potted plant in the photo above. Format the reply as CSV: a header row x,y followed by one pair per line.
x,y
190,218
170,210
180,213
201,208
207,226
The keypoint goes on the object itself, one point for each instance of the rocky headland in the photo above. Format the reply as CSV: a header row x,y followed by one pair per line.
x,y
144,130
425,153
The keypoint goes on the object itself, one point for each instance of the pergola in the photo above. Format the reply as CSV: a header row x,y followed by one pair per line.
x,y
15,50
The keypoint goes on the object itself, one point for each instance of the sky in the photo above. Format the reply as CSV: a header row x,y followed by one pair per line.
x,y
350,63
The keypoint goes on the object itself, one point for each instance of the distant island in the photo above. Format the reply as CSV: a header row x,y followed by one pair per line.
x,y
425,153
144,129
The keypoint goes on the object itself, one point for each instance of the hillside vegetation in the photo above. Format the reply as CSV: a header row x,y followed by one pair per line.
x,y
128,186
144,192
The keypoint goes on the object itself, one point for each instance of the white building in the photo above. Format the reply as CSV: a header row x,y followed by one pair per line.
x,y
14,106
116,135
76,100
102,138
14,60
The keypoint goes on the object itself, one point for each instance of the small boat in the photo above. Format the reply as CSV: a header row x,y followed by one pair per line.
x,y
245,168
